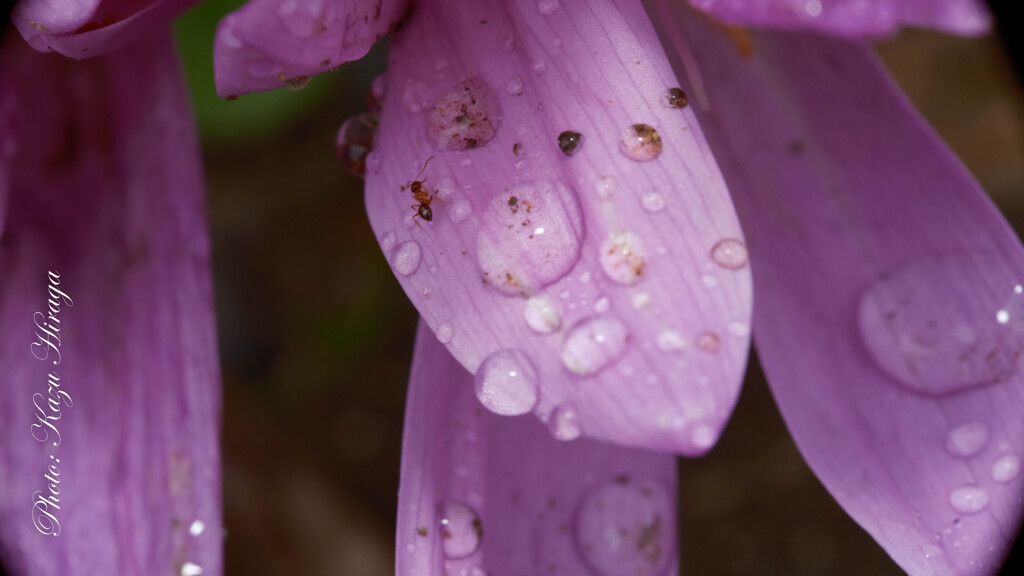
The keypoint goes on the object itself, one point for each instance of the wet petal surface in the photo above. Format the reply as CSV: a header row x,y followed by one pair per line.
x,y
592,258
889,315
106,191
486,494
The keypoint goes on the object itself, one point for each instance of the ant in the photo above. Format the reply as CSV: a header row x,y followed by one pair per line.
x,y
422,195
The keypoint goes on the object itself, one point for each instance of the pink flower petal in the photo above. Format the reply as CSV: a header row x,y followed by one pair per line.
x,y
83,29
272,43
595,268
890,318
106,191
853,17
485,494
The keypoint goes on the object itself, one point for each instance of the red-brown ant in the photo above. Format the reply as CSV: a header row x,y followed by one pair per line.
x,y
422,195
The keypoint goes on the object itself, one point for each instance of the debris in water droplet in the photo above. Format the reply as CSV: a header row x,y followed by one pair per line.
x,y
569,142
640,142
729,253
593,344
466,117
461,529
506,383
355,141
674,98
622,257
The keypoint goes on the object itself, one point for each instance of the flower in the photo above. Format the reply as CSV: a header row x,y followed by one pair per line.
x,y
109,455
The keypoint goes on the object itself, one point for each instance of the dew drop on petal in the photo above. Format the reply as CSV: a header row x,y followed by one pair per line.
x,y
931,326
569,142
466,117
196,528
593,344
406,258
641,300
372,162
708,342
379,87
191,569
730,254
539,67
506,383
605,187
416,97
542,314
622,257
264,69
513,257
547,7
355,141
703,436
640,142
461,529
515,85
968,499
674,98
1006,469
387,241
967,439
602,305
670,341
626,527
564,423
652,202
444,332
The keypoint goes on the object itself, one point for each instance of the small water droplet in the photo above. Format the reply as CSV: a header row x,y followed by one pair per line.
x,y
641,300
387,241
708,342
813,8
641,142
506,383
625,527
509,42
569,142
968,499
602,305
539,67
264,69
416,97
1006,469
372,162
513,258
564,423
406,258
652,202
196,528
967,439
703,436
547,7
730,254
444,332
542,314
585,277
515,85
355,141
670,341
466,117
461,529
622,257
593,344
191,569
605,187
379,87
674,98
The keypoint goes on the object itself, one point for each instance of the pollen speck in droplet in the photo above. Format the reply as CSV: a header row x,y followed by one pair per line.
x,y
355,141
569,142
461,529
674,98
506,383
622,257
729,253
406,258
640,142
466,117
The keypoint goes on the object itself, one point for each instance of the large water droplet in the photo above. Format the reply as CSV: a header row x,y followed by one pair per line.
x,y
355,141
593,344
729,253
543,314
1006,469
640,142
968,499
967,439
932,326
506,383
564,423
622,257
406,258
466,117
626,527
530,236
461,529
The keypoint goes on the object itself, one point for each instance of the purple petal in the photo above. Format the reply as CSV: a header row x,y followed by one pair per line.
x,y
889,314
269,43
83,29
853,17
106,191
484,494
590,275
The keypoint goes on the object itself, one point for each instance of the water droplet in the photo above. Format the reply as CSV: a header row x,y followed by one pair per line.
x,y
354,142
708,342
652,202
968,499
641,142
739,329
1006,469
602,305
709,281
387,241
379,87
547,7
674,98
539,67
670,341
373,162
622,257
196,528
585,277
703,436
564,423
542,314
416,97
933,328
813,8
593,344
466,117
191,569
406,258
264,69
641,300
506,383
605,187
967,439
461,529
569,142
515,85
626,527
730,254
516,260
444,332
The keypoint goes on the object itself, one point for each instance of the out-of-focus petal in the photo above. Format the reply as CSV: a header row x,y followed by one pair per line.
x,y
853,17
87,28
889,317
106,191
269,43
485,494
588,276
